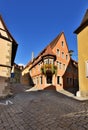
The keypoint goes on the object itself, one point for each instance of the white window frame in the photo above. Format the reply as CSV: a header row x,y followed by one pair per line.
x,y
63,55
58,52
86,68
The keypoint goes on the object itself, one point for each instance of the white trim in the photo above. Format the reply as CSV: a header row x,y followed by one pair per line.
x,y
86,68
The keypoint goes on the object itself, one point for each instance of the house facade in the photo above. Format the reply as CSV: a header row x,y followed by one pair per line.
x,y
82,38
8,47
25,79
50,66
70,77
16,73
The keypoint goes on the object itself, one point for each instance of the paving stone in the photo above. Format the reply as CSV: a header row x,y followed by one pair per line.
x,y
45,110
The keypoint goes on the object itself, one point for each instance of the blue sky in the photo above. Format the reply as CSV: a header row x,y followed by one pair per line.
x,y
35,23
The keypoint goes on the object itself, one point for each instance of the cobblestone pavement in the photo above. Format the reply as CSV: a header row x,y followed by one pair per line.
x,y
43,110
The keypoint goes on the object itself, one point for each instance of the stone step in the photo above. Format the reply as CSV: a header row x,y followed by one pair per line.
x,y
66,93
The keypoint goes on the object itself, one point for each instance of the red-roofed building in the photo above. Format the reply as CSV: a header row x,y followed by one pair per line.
x,y
50,66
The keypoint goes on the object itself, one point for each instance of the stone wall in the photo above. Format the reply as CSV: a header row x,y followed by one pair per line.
x,y
4,86
5,66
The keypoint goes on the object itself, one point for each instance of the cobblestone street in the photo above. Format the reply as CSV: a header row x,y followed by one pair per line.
x,y
43,110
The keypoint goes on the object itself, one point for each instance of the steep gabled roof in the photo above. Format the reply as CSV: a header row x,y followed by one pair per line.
x,y
46,51
51,44
10,38
83,24
54,42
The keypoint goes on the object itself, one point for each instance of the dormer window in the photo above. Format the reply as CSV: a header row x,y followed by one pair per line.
x,y
48,60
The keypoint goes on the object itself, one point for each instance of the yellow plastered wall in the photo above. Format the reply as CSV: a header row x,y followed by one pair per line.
x,y
25,76
82,58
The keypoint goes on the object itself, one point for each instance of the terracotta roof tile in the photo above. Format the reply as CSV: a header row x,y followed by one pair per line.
x,y
47,50
53,43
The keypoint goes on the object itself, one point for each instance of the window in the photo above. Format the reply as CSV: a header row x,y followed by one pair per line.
x,y
58,79
67,80
58,52
50,61
62,43
63,55
41,80
66,57
37,80
57,64
46,61
60,64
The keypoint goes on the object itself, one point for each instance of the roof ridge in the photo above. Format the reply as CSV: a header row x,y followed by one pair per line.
x,y
83,24
85,18
48,51
14,43
8,32
51,44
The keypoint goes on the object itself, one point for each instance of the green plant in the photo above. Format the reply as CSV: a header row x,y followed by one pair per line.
x,y
49,67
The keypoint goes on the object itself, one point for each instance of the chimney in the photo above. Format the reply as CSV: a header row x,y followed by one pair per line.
x,y
32,56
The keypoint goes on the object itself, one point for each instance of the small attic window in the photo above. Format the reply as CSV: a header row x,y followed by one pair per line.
x,y
62,43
